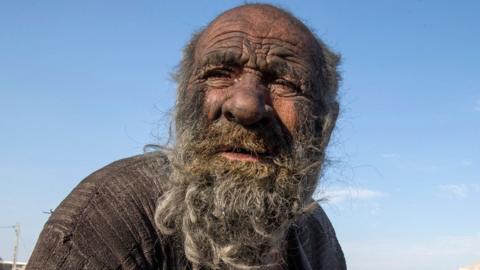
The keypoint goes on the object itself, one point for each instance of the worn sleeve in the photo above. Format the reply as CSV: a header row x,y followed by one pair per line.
x,y
106,222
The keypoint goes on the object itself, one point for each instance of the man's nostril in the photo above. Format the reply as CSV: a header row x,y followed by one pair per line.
x,y
229,116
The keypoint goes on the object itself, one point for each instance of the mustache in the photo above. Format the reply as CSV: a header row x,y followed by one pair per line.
x,y
260,140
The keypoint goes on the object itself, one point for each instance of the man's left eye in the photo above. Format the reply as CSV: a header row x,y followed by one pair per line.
x,y
286,85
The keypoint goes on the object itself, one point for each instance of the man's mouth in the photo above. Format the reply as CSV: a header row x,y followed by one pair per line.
x,y
242,154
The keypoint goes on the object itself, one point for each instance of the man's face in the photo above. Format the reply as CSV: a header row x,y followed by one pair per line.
x,y
254,71
248,148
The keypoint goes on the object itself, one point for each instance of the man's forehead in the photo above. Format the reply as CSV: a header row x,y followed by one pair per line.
x,y
260,22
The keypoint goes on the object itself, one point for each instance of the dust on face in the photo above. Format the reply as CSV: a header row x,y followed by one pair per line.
x,y
252,124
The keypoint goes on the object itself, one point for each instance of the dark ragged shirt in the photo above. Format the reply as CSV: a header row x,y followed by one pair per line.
x,y
107,222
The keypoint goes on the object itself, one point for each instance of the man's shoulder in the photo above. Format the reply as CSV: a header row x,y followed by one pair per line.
x,y
106,217
150,165
139,177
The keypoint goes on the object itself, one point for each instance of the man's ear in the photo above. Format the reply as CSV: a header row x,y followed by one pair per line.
x,y
329,123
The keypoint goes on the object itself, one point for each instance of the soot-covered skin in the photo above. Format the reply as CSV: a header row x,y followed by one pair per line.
x,y
255,65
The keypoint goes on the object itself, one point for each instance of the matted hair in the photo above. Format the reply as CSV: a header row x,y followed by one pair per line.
x,y
234,215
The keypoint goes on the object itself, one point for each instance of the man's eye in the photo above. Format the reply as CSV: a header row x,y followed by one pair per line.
x,y
217,74
286,85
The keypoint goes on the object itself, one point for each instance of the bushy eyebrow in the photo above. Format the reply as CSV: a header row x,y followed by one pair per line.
x,y
222,58
280,68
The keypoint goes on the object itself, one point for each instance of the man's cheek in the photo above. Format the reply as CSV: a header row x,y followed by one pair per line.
x,y
212,105
287,113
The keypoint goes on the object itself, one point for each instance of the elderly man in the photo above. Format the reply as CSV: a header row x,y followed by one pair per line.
x,y
255,109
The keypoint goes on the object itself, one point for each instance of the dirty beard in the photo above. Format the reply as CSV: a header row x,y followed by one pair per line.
x,y
235,214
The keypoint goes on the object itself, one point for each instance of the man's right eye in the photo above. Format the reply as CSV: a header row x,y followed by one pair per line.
x,y
218,78
218,74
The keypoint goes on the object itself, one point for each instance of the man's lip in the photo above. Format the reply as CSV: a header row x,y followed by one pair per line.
x,y
238,153
239,156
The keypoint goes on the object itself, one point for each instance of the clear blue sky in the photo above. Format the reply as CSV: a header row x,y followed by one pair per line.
x,y
85,83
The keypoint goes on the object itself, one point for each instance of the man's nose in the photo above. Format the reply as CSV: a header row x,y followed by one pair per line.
x,y
247,102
